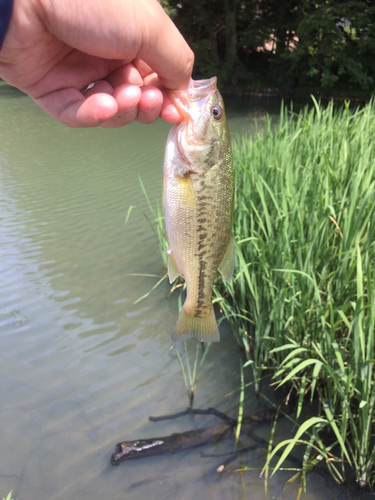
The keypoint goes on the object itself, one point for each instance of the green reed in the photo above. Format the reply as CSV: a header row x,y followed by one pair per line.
x,y
191,372
301,302
302,299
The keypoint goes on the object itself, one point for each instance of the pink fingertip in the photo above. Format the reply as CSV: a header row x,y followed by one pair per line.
x,y
169,112
127,96
151,98
96,109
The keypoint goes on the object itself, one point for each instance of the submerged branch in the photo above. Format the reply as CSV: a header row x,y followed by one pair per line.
x,y
130,450
192,411
141,448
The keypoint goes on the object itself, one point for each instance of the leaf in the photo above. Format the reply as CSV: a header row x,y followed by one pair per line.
x,y
249,362
336,431
128,213
293,353
315,374
152,289
301,396
302,273
240,408
344,318
290,443
283,348
297,369
338,356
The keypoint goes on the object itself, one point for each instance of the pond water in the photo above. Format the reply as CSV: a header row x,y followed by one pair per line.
x,y
82,367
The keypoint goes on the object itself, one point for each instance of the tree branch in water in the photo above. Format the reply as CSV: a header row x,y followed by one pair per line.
x,y
141,448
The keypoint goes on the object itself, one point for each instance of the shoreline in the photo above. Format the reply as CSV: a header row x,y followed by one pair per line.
x,y
275,93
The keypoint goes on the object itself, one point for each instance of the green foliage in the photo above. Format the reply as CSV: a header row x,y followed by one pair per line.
x,y
333,50
336,44
190,374
9,496
210,27
302,299
171,11
301,302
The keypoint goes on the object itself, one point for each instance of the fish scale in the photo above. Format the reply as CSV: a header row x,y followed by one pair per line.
x,y
198,199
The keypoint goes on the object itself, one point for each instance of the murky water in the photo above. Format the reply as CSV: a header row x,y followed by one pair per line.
x,y
82,367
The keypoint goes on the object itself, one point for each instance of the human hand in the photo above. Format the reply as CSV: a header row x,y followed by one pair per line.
x,y
54,49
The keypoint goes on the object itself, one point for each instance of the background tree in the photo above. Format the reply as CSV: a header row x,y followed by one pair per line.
x,y
334,49
336,45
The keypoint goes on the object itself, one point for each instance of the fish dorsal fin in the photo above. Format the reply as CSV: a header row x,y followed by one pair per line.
x,y
173,270
226,267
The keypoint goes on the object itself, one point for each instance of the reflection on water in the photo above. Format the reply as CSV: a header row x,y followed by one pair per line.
x,y
82,366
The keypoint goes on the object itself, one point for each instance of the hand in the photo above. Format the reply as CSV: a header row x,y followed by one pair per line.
x,y
54,49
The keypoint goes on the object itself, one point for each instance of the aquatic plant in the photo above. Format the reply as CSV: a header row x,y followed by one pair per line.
x,y
302,299
191,372
301,302
9,496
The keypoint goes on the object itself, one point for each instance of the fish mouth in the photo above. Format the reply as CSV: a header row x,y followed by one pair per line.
x,y
198,89
202,88
183,100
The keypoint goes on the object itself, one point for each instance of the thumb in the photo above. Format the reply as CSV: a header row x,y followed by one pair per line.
x,y
125,30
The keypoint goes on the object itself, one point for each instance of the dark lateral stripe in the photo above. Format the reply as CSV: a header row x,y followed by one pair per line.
x,y
203,204
204,200
201,280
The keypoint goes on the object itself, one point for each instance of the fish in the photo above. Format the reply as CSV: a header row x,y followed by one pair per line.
x,y
198,203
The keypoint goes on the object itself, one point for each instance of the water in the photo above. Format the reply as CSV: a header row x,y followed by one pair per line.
x,y
82,367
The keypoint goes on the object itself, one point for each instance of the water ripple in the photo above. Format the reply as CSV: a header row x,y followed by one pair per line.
x,y
82,366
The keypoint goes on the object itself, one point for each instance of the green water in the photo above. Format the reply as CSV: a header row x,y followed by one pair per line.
x,y
82,367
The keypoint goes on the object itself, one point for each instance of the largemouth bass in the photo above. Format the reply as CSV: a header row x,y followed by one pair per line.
x,y
198,200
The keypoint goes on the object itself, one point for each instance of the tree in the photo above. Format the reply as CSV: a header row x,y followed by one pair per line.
x,y
335,47
210,28
336,44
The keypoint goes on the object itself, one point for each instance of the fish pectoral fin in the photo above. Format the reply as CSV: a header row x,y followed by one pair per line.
x,y
226,267
180,167
173,270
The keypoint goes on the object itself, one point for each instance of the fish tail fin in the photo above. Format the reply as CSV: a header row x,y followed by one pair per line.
x,y
204,328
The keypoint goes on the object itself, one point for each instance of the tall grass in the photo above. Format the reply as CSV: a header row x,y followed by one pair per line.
x,y
302,299
301,302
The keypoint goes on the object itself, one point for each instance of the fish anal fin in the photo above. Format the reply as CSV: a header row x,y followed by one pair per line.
x,y
173,270
226,266
204,328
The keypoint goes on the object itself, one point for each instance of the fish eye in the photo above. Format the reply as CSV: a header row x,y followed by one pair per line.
x,y
216,112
